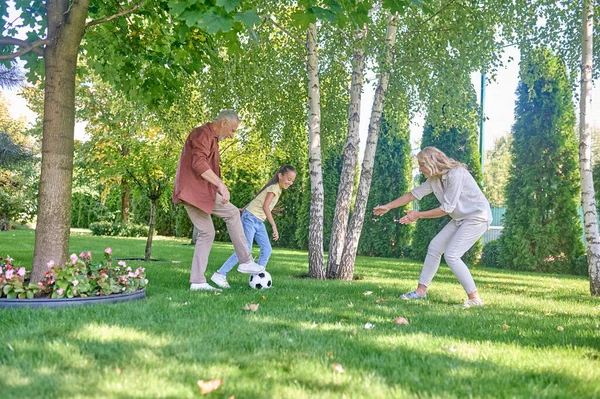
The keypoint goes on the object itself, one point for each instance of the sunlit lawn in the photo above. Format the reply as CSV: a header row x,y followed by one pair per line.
x,y
538,336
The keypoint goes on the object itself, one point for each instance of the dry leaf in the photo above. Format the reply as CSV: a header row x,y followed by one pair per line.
x,y
337,367
354,332
330,354
369,326
232,397
350,305
118,371
264,298
401,320
505,326
560,328
379,300
253,307
367,292
209,386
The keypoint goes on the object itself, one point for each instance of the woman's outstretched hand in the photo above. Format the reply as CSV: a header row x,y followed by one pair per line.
x,y
410,217
381,210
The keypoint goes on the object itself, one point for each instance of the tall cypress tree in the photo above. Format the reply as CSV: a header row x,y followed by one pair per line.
x,y
452,128
542,230
384,236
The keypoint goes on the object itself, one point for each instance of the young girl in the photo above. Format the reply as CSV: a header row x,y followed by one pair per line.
x,y
460,198
253,221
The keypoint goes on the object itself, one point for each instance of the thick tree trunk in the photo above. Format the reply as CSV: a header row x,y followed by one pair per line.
x,y
125,200
150,230
588,201
346,269
66,24
346,186
315,235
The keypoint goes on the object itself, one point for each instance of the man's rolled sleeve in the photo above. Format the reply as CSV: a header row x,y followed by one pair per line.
x,y
200,154
454,186
422,190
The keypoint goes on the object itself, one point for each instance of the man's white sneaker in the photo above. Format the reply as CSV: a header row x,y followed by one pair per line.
x,y
203,287
220,280
250,268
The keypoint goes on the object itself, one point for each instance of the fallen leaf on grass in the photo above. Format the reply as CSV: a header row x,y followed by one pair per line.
x,y
548,314
118,371
209,386
350,305
560,328
337,367
264,298
367,292
505,326
369,326
175,261
330,354
401,320
379,300
253,307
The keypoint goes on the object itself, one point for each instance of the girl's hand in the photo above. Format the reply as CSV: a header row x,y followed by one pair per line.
x,y
411,216
275,234
381,210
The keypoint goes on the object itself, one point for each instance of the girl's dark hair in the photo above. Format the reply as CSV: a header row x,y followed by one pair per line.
x,y
275,179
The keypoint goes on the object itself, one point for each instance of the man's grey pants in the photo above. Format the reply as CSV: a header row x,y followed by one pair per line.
x,y
453,241
206,235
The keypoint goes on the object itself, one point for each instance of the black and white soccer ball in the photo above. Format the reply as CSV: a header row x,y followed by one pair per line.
x,y
261,280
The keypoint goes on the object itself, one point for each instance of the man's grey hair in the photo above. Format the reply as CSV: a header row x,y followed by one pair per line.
x,y
227,114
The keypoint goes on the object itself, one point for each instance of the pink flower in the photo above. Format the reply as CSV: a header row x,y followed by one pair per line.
x,y
82,255
10,273
60,291
9,259
73,258
89,255
74,292
75,282
41,284
50,264
108,251
21,272
146,280
122,263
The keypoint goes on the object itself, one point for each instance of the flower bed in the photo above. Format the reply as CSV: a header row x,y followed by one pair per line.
x,y
78,281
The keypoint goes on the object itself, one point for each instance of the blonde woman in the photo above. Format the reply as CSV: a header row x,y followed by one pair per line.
x,y
460,198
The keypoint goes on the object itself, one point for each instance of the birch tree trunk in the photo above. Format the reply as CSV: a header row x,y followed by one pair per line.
x,y
66,25
344,197
346,269
588,201
315,234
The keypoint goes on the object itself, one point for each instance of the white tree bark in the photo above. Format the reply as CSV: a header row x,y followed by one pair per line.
x,y
346,270
315,234
346,186
588,201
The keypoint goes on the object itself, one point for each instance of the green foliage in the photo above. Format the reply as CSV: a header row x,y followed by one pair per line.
x,y
497,169
542,229
454,131
490,255
102,228
385,236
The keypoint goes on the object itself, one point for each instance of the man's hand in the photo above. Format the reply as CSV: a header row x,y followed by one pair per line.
x,y
381,210
222,189
411,216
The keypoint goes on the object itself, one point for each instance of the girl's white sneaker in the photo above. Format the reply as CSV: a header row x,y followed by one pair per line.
x,y
220,280
203,287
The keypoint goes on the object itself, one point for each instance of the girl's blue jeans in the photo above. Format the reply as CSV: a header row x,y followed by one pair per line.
x,y
255,230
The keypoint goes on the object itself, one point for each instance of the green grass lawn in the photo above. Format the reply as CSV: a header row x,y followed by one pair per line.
x,y
538,336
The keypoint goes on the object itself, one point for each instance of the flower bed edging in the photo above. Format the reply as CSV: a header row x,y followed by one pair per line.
x,y
62,302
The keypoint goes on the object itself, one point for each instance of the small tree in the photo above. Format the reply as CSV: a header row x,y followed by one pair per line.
x,y
497,170
542,230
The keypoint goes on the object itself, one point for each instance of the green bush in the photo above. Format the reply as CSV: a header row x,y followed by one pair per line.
x,y
102,228
581,266
490,254
133,230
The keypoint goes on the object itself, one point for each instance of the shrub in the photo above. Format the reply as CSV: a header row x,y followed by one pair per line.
x,y
491,254
581,266
102,228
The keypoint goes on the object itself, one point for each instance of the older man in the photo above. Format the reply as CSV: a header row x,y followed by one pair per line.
x,y
199,186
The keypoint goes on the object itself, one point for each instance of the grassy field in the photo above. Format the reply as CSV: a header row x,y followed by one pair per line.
x,y
538,336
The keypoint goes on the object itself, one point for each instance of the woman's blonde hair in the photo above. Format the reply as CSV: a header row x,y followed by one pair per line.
x,y
437,162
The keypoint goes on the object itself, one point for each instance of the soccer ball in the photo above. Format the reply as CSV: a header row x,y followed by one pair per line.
x,y
261,280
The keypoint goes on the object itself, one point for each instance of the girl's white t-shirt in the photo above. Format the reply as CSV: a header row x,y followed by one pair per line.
x,y
255,207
